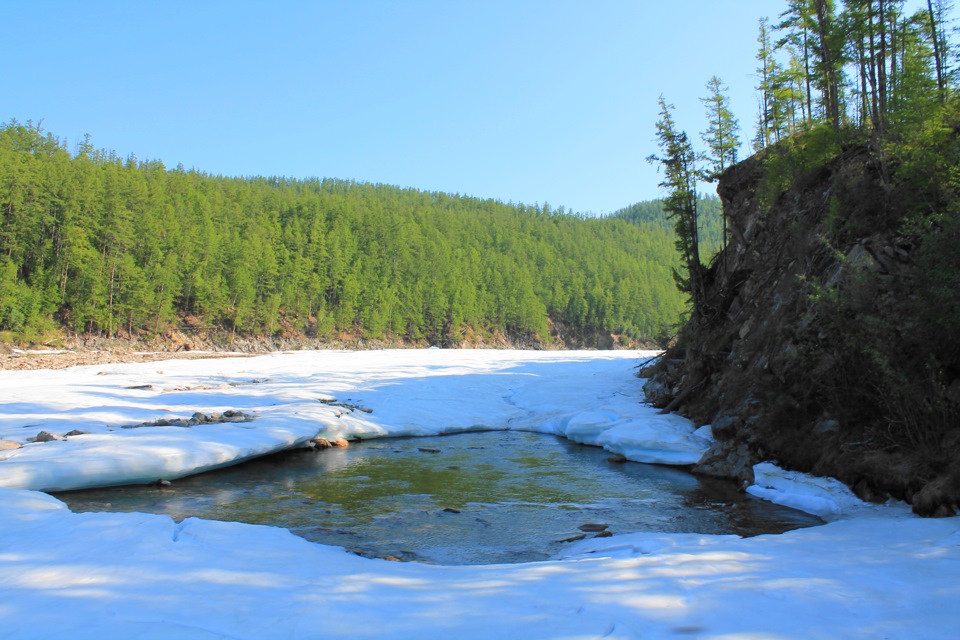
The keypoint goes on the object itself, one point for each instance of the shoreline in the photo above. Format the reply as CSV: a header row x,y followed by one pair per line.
x,y
63,351
52,359
14,359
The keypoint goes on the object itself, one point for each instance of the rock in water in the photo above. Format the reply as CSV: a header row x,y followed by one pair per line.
x,y
575,537
46,436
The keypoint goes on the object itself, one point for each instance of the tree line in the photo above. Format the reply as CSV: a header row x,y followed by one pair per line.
x,y
866,64
94,243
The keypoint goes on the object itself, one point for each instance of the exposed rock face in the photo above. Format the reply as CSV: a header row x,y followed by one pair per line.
x,y
754,365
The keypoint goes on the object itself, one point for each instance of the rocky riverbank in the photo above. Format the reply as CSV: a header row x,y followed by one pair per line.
x,y
187,342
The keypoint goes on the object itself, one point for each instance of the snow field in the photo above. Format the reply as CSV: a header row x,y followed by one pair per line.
x,y
872,572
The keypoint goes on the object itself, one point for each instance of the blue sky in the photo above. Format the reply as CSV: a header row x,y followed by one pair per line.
x,y
520,100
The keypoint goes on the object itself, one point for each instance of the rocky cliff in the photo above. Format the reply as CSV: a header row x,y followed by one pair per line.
x,y
813,348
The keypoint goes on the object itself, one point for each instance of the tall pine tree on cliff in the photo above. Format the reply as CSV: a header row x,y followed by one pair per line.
x,y
722,136
679,164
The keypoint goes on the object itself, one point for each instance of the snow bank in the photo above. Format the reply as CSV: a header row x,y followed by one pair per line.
x,y
588,397
825,497
94,576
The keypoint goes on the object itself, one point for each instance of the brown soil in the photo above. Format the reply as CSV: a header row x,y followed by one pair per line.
x,y
57,359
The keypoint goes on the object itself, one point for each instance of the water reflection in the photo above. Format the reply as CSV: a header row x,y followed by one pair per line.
x,y
474,498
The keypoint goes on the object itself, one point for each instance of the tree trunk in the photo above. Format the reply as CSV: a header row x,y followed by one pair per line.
x,y
937,56
806,70
113,274
894,69
831,88
882,65
866,112
875,109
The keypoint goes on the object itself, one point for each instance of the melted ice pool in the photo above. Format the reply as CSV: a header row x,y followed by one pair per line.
x,y
473,498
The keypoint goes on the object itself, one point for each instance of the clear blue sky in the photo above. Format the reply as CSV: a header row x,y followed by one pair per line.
x,y
521,100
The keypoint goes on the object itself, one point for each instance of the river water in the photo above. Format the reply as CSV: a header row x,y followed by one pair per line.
x,y
474,498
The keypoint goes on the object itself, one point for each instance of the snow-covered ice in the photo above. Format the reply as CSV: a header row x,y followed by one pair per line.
x,y
872,572
585,396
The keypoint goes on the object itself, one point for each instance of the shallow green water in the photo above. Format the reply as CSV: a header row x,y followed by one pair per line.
x,y
474,498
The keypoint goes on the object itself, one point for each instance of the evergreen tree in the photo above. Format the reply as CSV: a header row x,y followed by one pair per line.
x,y
767,130
722,136
679,164
797,23
935,12
828,49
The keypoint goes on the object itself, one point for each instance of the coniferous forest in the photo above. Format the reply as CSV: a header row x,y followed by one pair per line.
x,y
91,243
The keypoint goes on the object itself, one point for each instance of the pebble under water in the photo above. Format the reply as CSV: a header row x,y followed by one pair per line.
x,y
473,498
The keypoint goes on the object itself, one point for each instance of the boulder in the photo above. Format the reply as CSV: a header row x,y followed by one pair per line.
x,y
657,392
46,436
725,427
324,443
727,460
7,445
937,498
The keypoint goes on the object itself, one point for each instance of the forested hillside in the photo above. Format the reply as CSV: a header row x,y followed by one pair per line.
x,y
92,243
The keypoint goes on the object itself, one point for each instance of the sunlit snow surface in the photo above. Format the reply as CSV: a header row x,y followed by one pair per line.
x,y
873,572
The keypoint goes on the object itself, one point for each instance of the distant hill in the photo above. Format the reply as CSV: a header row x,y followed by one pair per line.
x,y
94,244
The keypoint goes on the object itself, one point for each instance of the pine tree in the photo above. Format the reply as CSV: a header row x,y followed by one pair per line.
x,y
797,22
828,49
766,72
722,136
936,12
679,164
